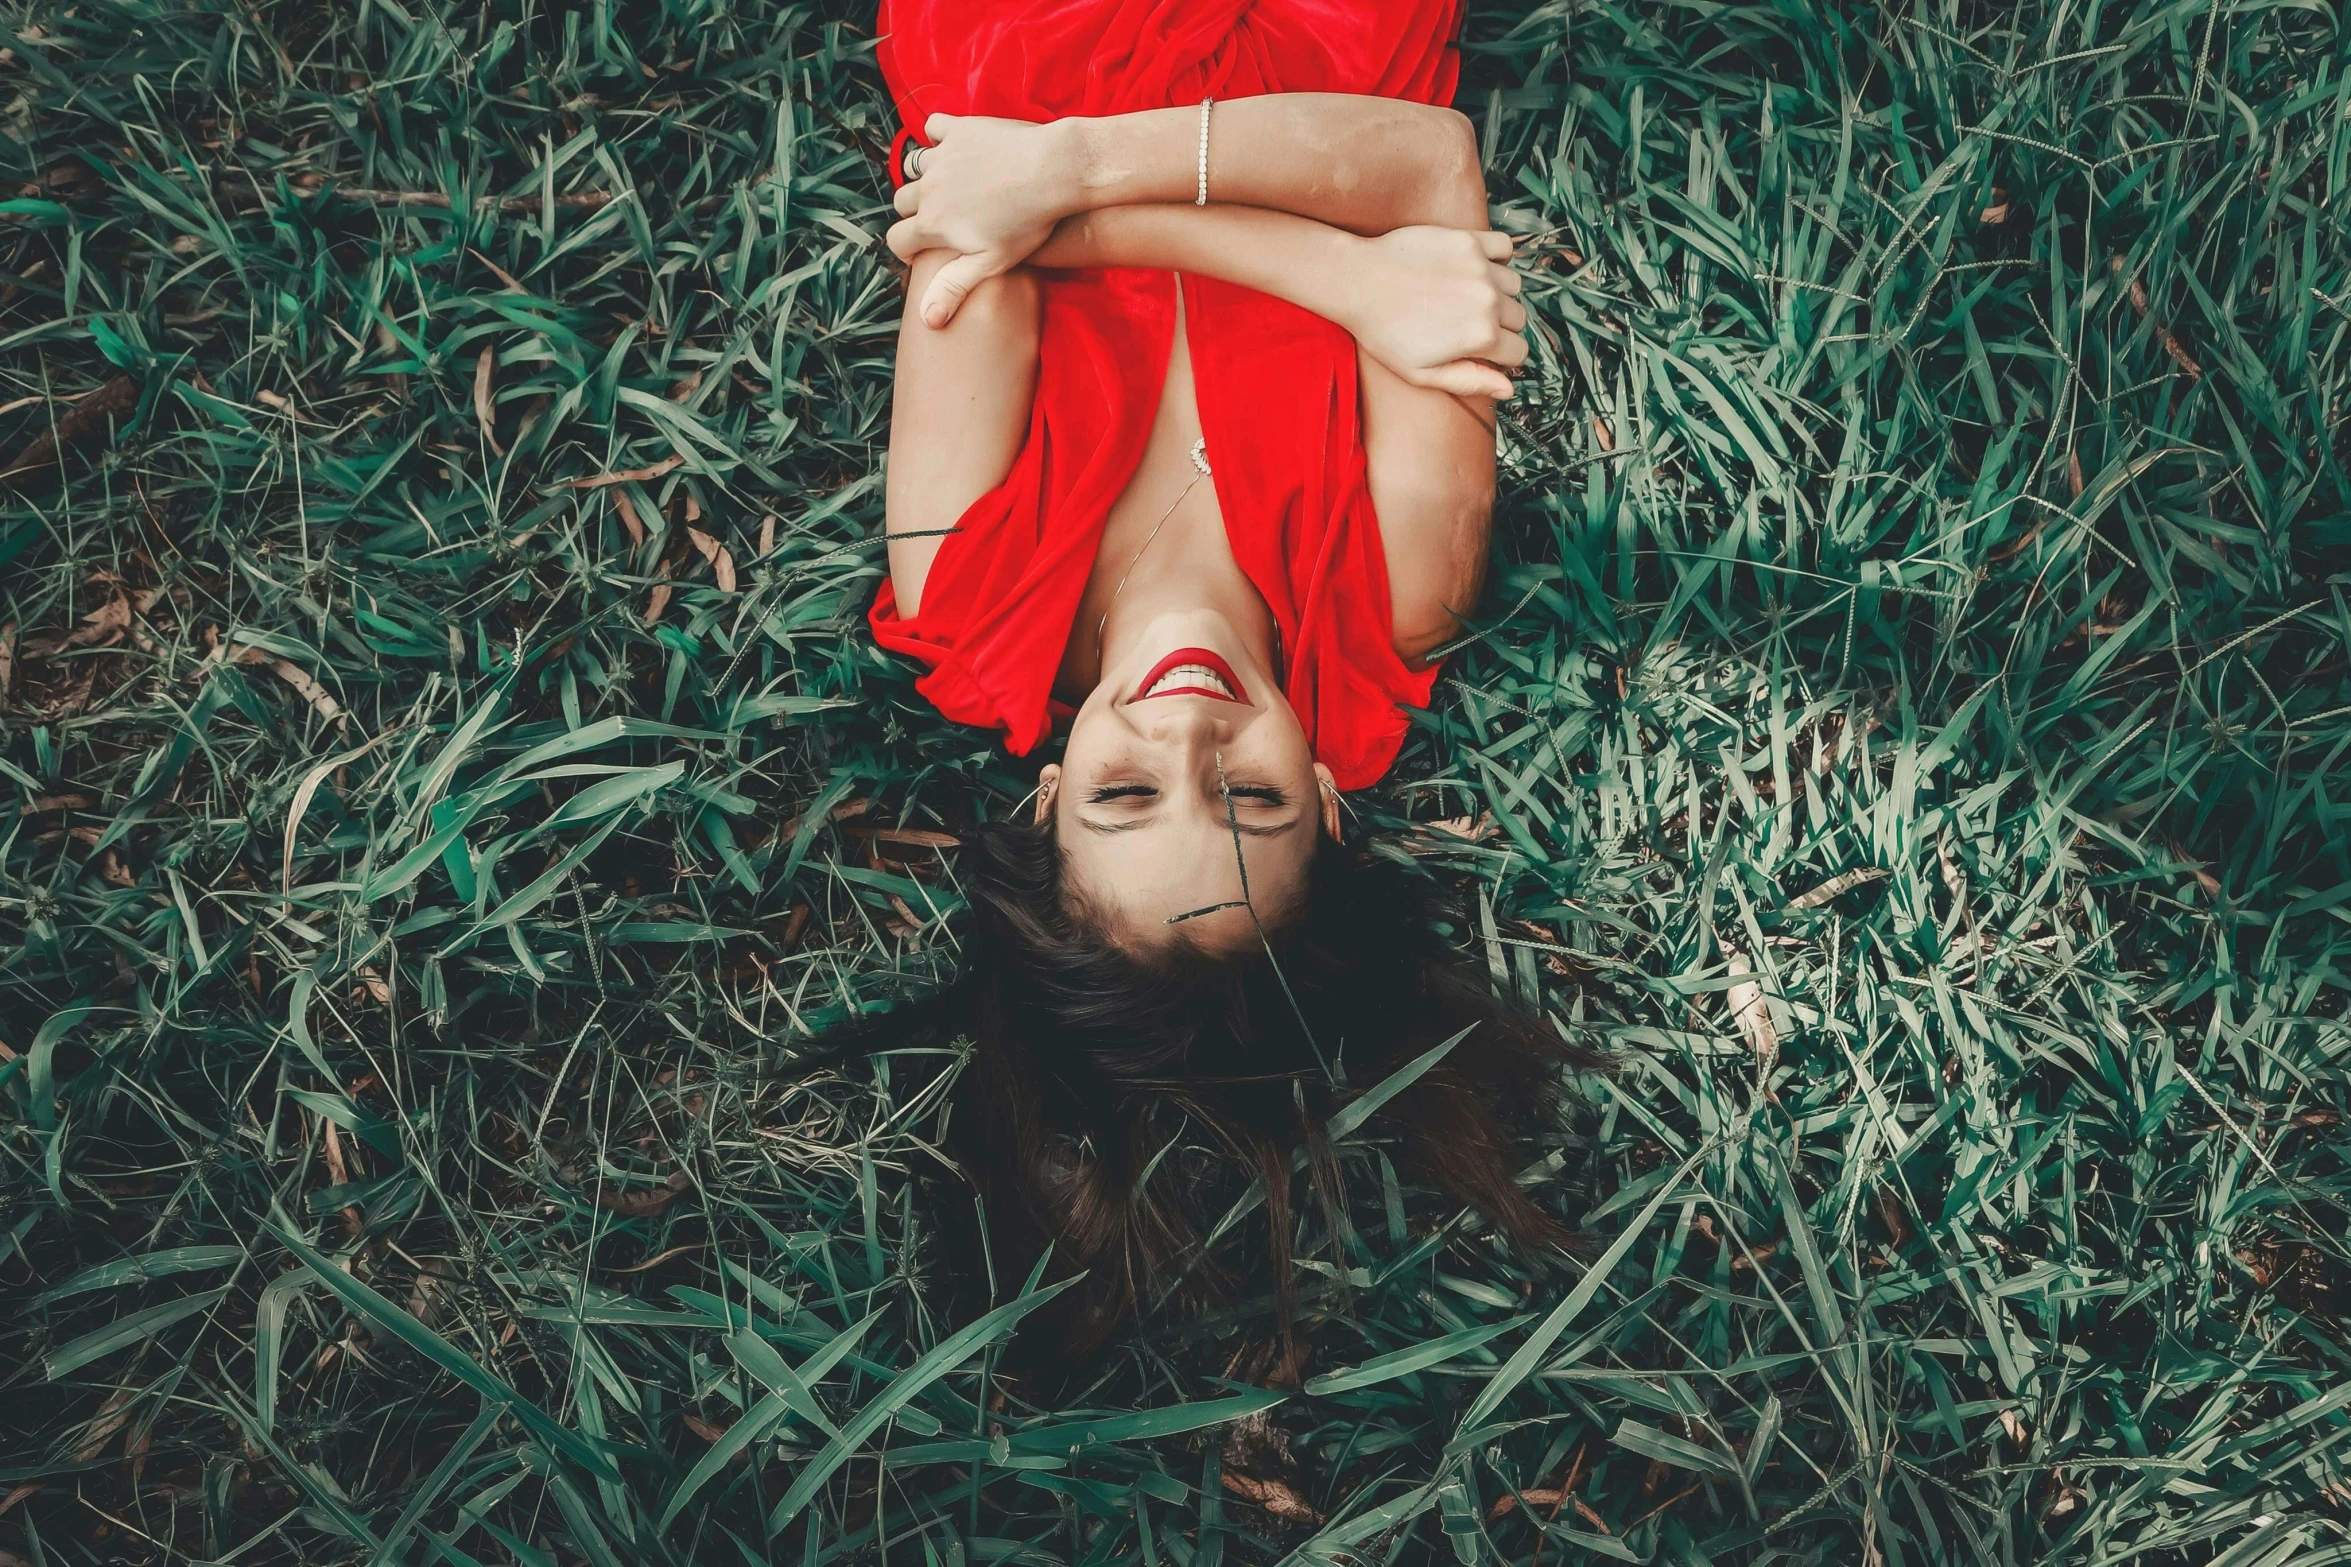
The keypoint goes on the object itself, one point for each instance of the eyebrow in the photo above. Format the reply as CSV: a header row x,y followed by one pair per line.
x,y
1253,832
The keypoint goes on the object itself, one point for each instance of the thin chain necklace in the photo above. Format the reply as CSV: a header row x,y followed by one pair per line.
x,y
1199,455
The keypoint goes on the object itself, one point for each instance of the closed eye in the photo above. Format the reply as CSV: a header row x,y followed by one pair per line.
x,y
1259,796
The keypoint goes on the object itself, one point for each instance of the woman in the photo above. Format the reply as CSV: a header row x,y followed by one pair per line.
x,y
1193,445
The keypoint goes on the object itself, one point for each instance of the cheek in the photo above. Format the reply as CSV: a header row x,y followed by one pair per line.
x,y
1276,746
1091,740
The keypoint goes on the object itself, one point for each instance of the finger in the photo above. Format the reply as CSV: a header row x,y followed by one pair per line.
x,y
908,238
952,284
1508,281
1467,378
1497,246
937,126
908,201
1512,315
1510,352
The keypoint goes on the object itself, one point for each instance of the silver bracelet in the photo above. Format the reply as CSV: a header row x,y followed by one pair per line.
x,y
1201,200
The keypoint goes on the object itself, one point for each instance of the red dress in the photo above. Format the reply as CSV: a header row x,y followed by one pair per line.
x,y
1277,387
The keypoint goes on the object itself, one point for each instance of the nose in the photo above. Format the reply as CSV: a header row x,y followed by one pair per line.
x,y
1193,722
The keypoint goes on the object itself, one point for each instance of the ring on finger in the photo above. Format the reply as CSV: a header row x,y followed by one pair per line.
x,y
914,152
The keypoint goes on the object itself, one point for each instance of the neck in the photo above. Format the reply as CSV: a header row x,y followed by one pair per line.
x,y
1183,586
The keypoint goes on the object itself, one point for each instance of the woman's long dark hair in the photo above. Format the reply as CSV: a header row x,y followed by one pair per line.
x,y
1107,1083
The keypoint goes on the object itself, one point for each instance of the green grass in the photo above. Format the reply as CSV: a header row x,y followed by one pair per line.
x,y
1905,730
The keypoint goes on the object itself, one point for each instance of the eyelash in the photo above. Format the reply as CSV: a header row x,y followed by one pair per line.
x,y
1264,794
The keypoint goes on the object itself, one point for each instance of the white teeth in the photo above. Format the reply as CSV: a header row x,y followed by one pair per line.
x,y
1191,677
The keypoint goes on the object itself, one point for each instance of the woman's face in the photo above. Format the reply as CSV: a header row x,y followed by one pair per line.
x,y
1138,805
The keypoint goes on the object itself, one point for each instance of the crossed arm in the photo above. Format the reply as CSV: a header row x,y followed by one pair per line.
x,y
1367,211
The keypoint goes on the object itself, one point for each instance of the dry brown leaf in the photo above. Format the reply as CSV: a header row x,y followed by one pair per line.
x,y
1602,433
426,1292
1476,829
624,476
2171,345
1893,1215
112,1416
1837,886
499,272
339,1173
103,626
658,1259
722,560
118,394
1753,1016
659,600
767,535
643,1205
321,700
485,370
920,837
628,517
2013,1426
1275,1497
704,1429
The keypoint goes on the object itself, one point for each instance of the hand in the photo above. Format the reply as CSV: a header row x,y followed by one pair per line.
x,y
990,190
1440,308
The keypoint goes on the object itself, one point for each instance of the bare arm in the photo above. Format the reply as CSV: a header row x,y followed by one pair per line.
x,y
992,190
959,409
1437,306
1428,443
1429,458
1363,164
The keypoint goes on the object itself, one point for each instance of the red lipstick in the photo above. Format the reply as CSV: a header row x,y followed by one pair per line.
x,y
1192,655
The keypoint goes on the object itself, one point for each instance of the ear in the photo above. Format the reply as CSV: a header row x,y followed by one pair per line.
x,y
1329,789
1048,786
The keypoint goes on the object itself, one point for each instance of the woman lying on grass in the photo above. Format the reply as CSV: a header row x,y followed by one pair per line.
x,y
1193,446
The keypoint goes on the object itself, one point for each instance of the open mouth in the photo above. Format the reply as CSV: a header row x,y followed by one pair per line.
x,y
1191,671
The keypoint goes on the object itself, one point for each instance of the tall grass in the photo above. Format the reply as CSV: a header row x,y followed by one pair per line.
x,y
451,786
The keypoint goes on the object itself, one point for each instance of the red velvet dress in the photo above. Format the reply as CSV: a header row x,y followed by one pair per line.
x,y
1277,387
